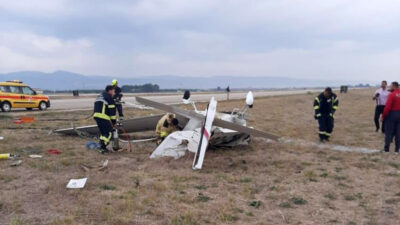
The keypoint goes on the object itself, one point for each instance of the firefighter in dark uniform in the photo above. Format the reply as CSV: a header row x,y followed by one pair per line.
x,y
118,98
325,106
105,116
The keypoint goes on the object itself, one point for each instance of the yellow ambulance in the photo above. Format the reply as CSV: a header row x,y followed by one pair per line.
x,y
15,94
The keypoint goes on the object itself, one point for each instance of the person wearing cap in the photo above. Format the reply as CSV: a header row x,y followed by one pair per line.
x,y
166,125
325,106
380,97
104,115
118,98
391,117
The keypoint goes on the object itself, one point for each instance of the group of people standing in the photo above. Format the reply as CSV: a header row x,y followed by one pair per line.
x,y
387,111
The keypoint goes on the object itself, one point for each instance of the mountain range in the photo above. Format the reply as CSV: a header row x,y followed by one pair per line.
x,y
64,80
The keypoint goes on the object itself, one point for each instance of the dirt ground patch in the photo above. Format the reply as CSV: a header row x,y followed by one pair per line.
x,y
263,183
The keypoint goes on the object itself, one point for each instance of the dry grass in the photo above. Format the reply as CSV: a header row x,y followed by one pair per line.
x,y
263,183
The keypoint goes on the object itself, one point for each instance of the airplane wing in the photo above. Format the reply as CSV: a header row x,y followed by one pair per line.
x,y
131,125
217,122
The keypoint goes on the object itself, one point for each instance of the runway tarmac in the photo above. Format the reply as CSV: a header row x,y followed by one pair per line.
x,y
87,102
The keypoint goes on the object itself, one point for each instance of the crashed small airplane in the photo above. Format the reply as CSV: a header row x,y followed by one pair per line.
x,y
200,128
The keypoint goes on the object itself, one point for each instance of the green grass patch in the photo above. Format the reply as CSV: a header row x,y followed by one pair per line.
x,y
255,204
298,201
285,205
108,187
349,197
200,187
275,188
324,175
202,198
338,169
340,178
392,201
394,165
245,180
330,196
249,213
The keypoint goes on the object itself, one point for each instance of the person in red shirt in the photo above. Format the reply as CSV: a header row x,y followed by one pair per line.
x,y
391,116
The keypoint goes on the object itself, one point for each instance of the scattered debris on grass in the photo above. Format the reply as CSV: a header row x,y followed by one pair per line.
x,y
15,163
255,204
76,183
54,151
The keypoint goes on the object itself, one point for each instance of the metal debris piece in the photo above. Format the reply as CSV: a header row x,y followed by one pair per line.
x,y
54,151
76,183
84,167
104,166
15,163
31,150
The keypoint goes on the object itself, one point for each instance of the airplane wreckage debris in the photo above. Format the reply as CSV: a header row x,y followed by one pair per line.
x,y
200,129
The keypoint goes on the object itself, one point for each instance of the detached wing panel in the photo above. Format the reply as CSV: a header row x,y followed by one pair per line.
x,y
131,125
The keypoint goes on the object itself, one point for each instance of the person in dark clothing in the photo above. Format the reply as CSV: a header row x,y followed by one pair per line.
x,y
325,106
105,116
391,116
380,97
118,98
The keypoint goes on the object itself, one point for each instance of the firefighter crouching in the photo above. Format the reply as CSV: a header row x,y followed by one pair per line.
x,y
105,116
118,98
165,126
325,106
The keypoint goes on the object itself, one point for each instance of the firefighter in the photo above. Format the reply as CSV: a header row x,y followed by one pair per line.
x,y
165,126
325,106
118,98
105,116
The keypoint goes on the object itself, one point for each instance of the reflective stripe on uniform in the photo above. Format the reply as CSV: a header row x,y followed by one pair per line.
x,y
111,106
163,134
325,133
335,100
335,107
317,99
101,116
106,139
316,107
113,117
318,115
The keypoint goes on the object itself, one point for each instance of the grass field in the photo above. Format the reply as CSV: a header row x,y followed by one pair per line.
x,y
263,183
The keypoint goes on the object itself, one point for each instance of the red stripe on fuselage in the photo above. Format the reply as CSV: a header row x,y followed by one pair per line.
x,y
206,134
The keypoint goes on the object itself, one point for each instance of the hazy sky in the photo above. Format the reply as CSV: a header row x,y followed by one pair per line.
x,y
343,39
